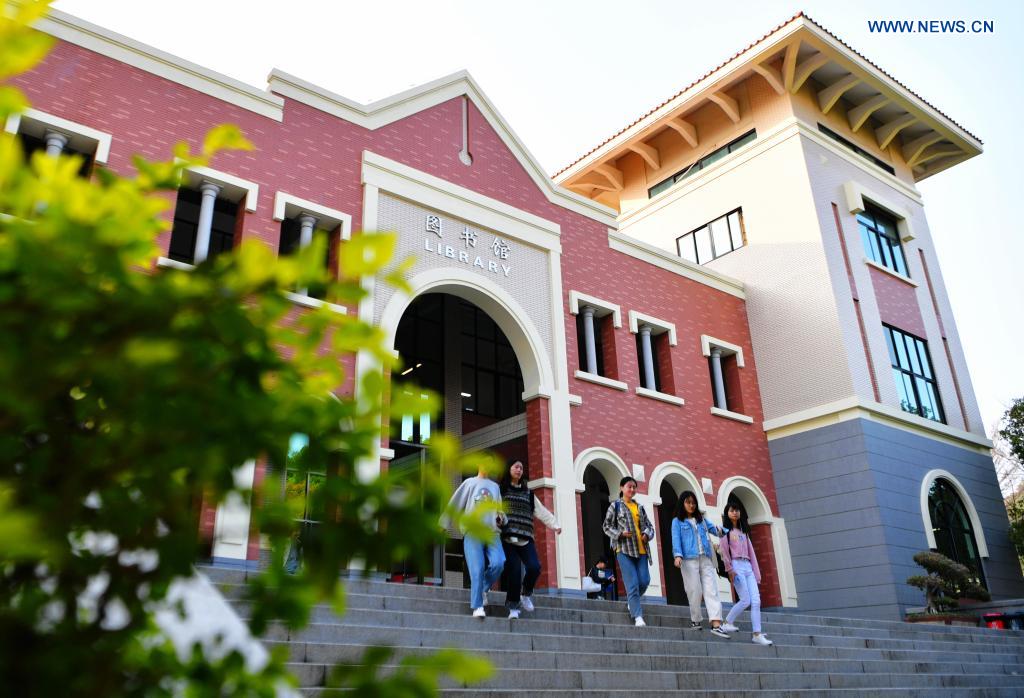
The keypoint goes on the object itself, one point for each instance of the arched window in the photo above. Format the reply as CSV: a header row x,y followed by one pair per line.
x,y
954,534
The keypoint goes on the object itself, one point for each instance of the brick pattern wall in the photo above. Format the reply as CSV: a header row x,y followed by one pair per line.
x,y
317,157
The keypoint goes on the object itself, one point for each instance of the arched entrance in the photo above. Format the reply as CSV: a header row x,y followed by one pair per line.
x,y
598,472
451,347
765,537
668,481
675,592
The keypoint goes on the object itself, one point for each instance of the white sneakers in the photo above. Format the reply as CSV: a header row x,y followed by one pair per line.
x,y
760,639
639,622
479,613
729,628
513,614
527,603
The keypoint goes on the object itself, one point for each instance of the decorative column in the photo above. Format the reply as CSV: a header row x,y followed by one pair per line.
x,y
588,339
55,143
306,224
648,357
209,190
716,374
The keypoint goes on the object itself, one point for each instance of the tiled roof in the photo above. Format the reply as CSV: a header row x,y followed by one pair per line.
x,y
751,45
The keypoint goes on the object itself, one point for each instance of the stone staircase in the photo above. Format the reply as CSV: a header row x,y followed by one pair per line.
x,y
572,646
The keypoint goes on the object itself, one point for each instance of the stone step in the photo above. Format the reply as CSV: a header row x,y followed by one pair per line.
x,y
330,654
314,675
228,578
323,620
909,658
618,616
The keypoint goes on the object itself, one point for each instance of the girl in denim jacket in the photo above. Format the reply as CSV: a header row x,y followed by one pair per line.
x,y
693,554
741,564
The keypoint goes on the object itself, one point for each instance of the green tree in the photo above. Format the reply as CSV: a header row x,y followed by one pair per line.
x,y
1010,456
129,398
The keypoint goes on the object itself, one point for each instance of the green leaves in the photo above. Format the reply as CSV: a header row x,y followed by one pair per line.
x,y
132,397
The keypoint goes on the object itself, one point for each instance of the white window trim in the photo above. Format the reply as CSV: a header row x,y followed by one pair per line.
x,y
233,186
719,412
708,342
296,298
890,272
603,308
972,513
857,196
174,264
601,380
575,399
656,395
288,206
657,326
311,302
100,154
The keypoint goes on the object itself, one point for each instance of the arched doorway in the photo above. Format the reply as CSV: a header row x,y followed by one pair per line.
x,y
952,527
762,534
450,346
675,592
594,501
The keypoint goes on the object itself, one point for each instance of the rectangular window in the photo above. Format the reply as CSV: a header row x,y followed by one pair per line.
x,y
695,167
186,224
853,147
291,242
720,236
302,482
881,239
656,360
912,369
581,342
492,383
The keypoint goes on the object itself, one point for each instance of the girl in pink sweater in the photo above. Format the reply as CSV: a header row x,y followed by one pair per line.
x,y
741,564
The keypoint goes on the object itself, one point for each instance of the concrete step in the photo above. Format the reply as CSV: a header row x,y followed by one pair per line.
x,y
315,675
229,579
583,659
619,616
324,619
874,659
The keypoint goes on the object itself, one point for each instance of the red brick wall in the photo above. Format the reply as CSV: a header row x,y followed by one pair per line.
x,y
317,156
897,302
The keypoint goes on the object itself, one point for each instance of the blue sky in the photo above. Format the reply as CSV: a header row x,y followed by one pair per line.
x,y
568,74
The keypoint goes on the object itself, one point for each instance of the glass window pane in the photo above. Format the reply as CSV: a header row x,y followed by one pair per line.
x,y
915,365
933,396
720,237
900,263
315,502
865,238
485,354
485,397
703,238
922,353
735,230
888,341
901,351
876,252
714,157
907,400
686,248
468,388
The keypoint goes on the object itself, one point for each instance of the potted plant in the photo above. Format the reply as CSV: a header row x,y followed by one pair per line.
x,y
945,585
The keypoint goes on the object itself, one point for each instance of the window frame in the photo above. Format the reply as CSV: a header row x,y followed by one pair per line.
x,y
873,235
700,164
894,356
742,233
78,134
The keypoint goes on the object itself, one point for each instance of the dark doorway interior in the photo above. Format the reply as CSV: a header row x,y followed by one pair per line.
x,y
595,500
675,593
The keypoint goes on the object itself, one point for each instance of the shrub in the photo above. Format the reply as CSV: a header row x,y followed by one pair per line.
x,y
946,582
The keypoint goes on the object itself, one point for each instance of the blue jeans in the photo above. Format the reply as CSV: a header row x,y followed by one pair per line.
x,y
516,585
485,562
635,577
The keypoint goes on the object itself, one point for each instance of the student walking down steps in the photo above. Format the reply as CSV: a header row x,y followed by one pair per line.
x,y
741,564
630,530
693,553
